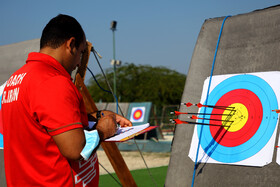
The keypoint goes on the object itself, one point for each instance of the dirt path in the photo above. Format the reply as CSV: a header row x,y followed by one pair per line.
x,y
134,160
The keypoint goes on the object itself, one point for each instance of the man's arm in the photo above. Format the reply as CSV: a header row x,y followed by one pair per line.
x,y
71,143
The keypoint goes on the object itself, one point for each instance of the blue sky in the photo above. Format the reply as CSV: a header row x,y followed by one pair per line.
x,y
154,32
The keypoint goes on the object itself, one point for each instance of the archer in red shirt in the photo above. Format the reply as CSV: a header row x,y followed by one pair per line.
x,y
44,115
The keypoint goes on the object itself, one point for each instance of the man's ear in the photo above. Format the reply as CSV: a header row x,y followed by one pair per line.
x,y
71,44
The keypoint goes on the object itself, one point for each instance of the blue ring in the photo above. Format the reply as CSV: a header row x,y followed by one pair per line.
x,y
269,121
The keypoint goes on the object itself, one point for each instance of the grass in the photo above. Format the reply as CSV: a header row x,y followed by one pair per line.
x,y
141,177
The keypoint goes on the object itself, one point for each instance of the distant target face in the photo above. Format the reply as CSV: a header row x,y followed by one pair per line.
x,y
137,114
247,123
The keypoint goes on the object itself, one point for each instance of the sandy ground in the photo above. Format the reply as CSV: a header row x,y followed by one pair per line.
x,y
134,160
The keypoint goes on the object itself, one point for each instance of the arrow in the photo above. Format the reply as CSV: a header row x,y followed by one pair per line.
x,y
177,113
177,121
187,104
195,117
199,105
276,110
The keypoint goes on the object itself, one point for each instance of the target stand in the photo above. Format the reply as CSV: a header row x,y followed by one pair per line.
x,y
139,113
249,43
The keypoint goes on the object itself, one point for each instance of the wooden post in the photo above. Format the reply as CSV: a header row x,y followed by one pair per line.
x,y
110,148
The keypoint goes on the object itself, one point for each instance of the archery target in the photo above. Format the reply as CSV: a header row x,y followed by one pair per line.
x,y
248,125
137,114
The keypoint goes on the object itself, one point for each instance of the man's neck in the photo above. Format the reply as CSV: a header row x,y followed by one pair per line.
x,y
58,54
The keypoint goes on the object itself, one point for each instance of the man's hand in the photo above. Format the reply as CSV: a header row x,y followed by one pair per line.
x,y
122,121
106,126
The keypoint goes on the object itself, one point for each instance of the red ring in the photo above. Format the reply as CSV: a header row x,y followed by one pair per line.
x,y
254,107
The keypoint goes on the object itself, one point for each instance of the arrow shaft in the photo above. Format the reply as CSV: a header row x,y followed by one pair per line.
x,y
216,120
196,123
205,114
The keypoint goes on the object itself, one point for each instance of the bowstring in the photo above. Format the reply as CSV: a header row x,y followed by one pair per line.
x,y
110,174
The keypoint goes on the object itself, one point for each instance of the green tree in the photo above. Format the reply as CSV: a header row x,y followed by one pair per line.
x,y
141,83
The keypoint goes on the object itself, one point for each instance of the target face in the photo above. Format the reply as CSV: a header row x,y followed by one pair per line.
x,y
137,114
247,124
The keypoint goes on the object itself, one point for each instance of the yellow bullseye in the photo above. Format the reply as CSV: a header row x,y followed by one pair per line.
x,y
137,114
239,117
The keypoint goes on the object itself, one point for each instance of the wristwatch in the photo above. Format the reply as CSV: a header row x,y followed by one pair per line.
x,y
98,114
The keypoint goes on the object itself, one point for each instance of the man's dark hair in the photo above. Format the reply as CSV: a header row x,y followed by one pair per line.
x,y
60,29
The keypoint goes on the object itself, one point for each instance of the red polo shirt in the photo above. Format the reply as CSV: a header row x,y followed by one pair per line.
x,y
39,101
